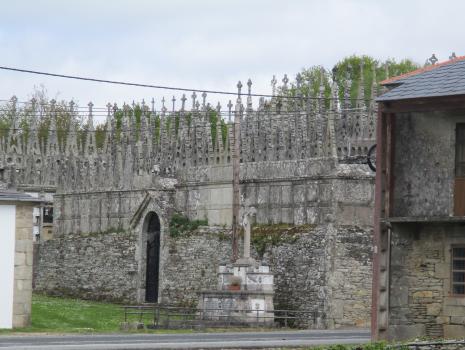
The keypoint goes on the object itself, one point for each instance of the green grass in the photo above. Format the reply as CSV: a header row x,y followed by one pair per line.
x,y
65,315
61,314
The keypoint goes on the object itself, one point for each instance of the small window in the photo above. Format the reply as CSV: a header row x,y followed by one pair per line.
x,y
460,150
458,270
48,215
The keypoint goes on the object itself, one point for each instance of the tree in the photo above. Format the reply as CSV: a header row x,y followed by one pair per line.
x,y
347,74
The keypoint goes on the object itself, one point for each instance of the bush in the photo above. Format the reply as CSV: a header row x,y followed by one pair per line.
x,y
180,225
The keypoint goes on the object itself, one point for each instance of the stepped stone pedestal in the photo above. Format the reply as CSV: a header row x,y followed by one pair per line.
x,y
245,290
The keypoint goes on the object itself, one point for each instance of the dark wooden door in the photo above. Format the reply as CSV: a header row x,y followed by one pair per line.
x,y
153,259
459,196
459,183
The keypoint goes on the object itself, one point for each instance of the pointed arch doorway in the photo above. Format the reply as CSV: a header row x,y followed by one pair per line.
x,y
152,222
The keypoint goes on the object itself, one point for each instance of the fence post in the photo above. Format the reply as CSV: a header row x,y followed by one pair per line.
x,y
285,318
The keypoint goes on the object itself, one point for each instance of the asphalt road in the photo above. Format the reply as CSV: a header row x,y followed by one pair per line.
x,y
238,340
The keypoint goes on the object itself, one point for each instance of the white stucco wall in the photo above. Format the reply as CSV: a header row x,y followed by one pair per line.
x,y
7,263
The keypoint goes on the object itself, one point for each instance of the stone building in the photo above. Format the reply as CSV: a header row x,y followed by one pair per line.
x,y
302,168
419,265
16,219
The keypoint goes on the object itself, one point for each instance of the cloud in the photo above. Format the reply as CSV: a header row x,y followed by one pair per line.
x,y
209,44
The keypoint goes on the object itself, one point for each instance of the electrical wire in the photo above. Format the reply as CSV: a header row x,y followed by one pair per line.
x,y
162,87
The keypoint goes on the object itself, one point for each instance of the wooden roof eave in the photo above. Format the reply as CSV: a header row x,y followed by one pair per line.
x,y
424,104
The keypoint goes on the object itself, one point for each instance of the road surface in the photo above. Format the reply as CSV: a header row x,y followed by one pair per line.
x,y
238,340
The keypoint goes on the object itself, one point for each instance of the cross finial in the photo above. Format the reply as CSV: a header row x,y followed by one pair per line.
x,y
218,108
90,104
174,102
143,105
285,81
108,107
433,59
204,98
273,85
183,101
194,96
153,105
453,56
230,106
239,87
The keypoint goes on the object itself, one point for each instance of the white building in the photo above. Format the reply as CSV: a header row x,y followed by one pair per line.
x,y
16,233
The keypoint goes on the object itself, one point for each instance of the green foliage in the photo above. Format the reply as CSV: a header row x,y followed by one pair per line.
x,y
176,123
156,134
369,346
100,132
264,236
213,118
180,225
349,69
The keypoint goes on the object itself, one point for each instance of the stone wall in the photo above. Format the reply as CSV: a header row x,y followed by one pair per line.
x,y
328,271
22,289
316,268
100,266
424,177
421,303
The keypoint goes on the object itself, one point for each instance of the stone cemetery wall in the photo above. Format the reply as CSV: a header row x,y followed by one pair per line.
x,y
99,266
316,268
328,271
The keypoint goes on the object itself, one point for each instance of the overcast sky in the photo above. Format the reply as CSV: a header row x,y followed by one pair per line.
x,y
209,44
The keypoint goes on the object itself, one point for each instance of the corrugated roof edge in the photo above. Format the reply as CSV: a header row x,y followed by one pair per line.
x,y
421,70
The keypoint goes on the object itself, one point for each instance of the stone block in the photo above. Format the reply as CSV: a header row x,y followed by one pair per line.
x,y
20,258
286,194
441,270
433,309
312,191
299,194
23,246
423,294
275,194
21,321
399,295
450,310
458,320
406,332
24,285
23,272
443,320
454,331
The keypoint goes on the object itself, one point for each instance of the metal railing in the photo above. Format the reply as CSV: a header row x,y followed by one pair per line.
x,y
165,316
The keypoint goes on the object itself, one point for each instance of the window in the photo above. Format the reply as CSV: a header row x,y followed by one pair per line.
x,y
458,270
460,150
48,215
459,186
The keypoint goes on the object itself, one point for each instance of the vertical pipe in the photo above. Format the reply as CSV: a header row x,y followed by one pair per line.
x,y
377,216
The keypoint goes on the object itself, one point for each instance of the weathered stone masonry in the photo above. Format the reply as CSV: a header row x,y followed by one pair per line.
x,y
300,165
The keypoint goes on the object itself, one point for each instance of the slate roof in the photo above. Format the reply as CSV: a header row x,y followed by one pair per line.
x,y
443,79
13,196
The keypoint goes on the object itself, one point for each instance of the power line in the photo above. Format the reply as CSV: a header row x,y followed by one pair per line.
x,y
162,87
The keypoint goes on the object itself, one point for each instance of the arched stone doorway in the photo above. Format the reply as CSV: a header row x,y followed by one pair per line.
x,y
152,224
